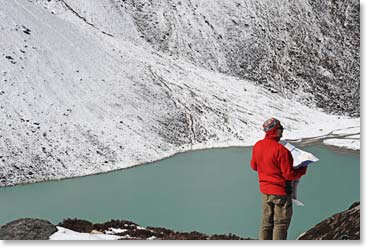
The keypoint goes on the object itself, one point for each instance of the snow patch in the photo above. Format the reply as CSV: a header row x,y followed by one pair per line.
x,y
66,234
344,143
112,230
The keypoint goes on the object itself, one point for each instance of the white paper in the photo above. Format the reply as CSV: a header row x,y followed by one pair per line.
x,y
300,159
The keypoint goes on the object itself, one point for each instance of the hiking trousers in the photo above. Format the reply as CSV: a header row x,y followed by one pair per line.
x,y
276,216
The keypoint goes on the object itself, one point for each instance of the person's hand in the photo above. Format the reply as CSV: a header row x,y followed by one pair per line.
x,y
305,163
303,170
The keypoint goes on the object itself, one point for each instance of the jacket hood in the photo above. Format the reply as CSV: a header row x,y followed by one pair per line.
x,y
272,134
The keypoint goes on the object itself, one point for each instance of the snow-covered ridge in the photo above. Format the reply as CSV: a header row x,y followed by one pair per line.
x,y
78,98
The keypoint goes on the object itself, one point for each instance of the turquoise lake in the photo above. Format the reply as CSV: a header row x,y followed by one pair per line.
x,y
210,191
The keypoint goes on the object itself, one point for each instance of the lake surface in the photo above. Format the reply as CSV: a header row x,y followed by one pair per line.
x,y
210,191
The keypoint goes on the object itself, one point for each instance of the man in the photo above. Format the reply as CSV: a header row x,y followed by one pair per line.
x,y
274,164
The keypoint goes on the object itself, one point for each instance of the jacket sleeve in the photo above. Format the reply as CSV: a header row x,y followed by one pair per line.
x,y
286,166
253,163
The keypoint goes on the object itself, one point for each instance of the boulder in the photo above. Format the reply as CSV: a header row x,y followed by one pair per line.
x,y
27,229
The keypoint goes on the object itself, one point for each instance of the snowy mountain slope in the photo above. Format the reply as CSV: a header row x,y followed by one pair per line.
x,y
81,94
304,50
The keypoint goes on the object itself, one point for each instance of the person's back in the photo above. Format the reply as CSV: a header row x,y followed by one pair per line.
x,y
274,164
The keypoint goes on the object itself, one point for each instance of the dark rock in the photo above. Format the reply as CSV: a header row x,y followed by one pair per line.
x,y
355,204
27,229
26,30
123,224
77,225
226,237
341,226
140,233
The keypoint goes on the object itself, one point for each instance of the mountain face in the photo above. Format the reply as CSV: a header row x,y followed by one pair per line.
x,y
305,50
94,86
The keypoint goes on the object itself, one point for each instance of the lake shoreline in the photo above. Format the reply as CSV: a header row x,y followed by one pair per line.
x,y
303,142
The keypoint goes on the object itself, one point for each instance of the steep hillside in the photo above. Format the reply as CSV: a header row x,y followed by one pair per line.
x,y
304,50
87,88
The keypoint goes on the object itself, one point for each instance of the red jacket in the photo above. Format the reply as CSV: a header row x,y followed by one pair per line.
x,y
274,164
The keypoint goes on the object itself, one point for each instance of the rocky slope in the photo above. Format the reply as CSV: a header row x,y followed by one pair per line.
x,y
131,230
341,226
36,229
93,86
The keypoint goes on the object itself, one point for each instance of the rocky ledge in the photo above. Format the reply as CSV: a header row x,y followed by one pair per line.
x,y
36,229
341,226
131,231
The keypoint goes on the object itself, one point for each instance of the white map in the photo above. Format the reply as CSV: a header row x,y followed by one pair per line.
x,y
300,159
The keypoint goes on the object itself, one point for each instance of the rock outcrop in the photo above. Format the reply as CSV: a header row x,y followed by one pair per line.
x,y
27,229
132,231
341,226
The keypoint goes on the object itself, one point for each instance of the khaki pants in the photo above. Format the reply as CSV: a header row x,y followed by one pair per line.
x,y
276,217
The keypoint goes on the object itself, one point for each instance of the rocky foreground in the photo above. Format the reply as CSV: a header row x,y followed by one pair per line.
x,y
37,229
341,226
